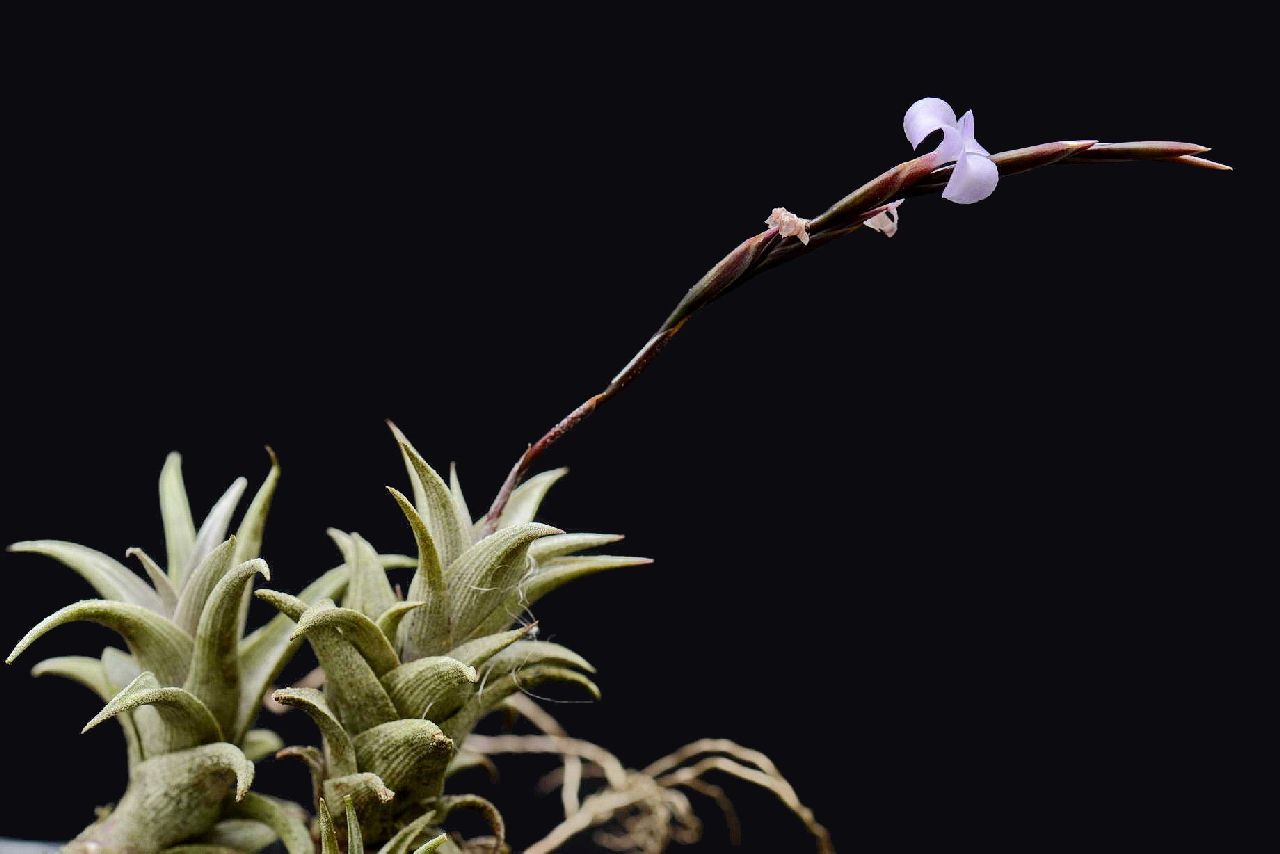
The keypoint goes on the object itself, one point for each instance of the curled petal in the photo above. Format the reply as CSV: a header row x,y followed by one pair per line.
x,y
974,179
789,225
886,221
924,117
966,135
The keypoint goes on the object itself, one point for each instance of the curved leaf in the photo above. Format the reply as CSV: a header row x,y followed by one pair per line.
x,y
252,528
369,590
408,753
366,789
430,575
160,581
480,650
525,499
494,692
435,504
389,622
566,544
431,687
215,666
460,503
261,743
532,652
342,756
110,578
356,629
407,835
355,695
175,510
187,722
432,845
264,653
214,528
483,577
448,805
200,584
280,817
156,643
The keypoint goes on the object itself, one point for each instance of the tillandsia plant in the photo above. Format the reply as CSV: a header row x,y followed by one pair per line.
x,y
404,680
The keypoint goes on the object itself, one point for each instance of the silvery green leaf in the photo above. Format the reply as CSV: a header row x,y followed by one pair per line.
x,y
408,753
200,584
480,650
213,529
187,721
435,504
264,653
430,575
354,693
370,800
482,578
432,845
280,817
390,620
527,498
91,673
201,848
239,834
354,628
530,652
160,581
215,665
342,757
328,838
260,743
170,799
175,510
110,578
252,527
460,503
432,687
120,668
494,692
560,571
407,835
355,842
566,544
156,643
368,591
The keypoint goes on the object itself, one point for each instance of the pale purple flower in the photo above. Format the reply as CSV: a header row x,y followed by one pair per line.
x,y
975,175
789,225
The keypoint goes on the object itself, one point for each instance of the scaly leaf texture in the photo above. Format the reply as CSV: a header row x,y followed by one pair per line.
x,y
264,653
356,629
432,687
179,528
111,579
214,528
481,580
157,644
159,580
186,721
252,528
200,584
487,698
341,754
391,618
480,650
434,500
409,754
369,590
215,665
238,834
170,799
281,817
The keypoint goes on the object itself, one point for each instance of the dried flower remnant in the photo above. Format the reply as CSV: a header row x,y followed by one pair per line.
x,y
975,175
789,225
885,222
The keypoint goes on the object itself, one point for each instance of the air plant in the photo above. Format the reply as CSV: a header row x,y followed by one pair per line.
x,y
406,680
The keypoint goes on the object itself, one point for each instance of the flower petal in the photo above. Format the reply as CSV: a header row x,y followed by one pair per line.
x,y
966,135
924,117
972,181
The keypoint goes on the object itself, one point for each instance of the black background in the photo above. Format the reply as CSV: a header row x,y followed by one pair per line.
x,y
928,513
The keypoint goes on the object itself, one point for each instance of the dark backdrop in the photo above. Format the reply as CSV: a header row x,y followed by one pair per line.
x,y
925,511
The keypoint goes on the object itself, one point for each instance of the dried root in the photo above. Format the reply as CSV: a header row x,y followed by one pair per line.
x,y
642,811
